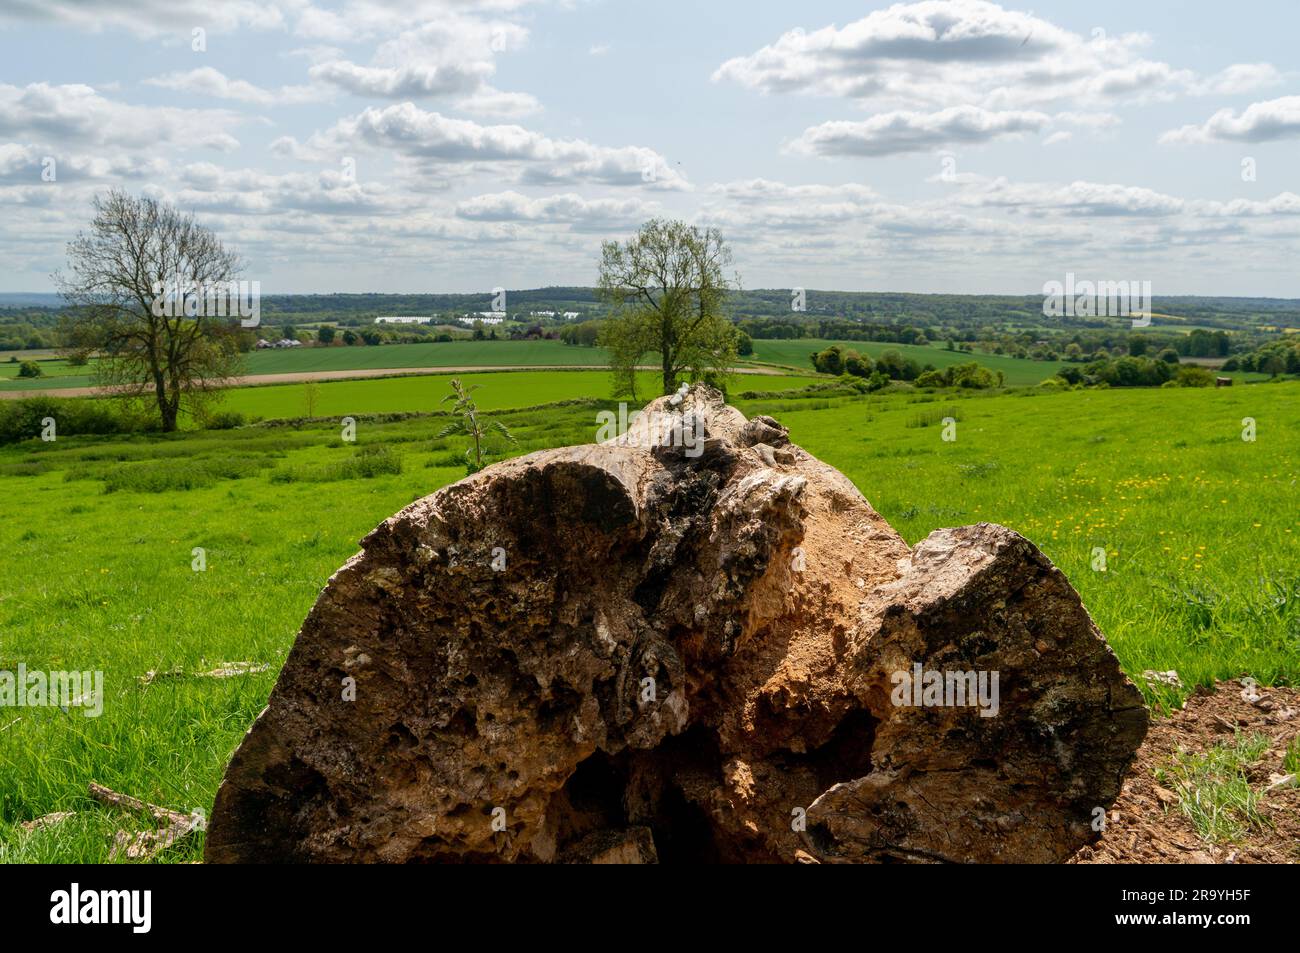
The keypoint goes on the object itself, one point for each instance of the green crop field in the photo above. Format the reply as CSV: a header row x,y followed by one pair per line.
x,y
55,372
51,367
58,373
1200,531
446,354
498,389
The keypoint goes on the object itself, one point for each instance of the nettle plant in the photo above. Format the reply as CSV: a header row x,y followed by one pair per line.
x,y
466,421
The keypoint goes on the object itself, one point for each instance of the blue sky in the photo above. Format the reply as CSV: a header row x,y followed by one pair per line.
x,y
442,145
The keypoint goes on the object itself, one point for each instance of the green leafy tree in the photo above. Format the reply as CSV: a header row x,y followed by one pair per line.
x,y
628,341
1192,375
666,287
859,365
897,367
829,361
468,422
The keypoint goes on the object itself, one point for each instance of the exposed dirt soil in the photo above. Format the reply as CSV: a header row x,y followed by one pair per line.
x,y
1147,824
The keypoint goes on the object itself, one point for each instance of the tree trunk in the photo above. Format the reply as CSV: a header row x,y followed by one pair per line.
x,y
160,397
666,353
171,406
724,655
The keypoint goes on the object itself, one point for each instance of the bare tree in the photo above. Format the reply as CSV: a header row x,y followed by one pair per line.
x,y
148,291
667,285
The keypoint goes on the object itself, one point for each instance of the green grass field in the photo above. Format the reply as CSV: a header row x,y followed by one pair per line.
x,y
1201,529
1201,533
58,373
55,372
446,354
498,389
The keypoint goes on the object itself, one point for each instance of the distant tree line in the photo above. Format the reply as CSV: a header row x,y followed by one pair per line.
x,y
1279,357
1130,371
28,329
832,329
892,365
996,324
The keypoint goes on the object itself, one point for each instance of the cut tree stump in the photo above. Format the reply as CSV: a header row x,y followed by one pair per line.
x,y
676,650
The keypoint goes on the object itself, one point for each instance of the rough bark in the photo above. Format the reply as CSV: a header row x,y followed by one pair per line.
x,y
504,714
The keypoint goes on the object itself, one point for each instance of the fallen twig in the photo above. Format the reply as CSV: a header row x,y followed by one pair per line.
x,y
224,670
125,801
46,820
141,845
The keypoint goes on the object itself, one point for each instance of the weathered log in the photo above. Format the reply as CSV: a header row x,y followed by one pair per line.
x,y
682,650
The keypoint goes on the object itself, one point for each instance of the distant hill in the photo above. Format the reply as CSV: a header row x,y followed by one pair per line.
x,y
29,320
771,302
29,299
871,307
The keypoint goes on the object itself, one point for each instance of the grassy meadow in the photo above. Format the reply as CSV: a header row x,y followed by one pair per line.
x,y
497,390
55,372
1201,532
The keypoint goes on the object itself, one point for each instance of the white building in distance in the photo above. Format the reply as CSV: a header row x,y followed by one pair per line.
x,y
406,319
483,317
